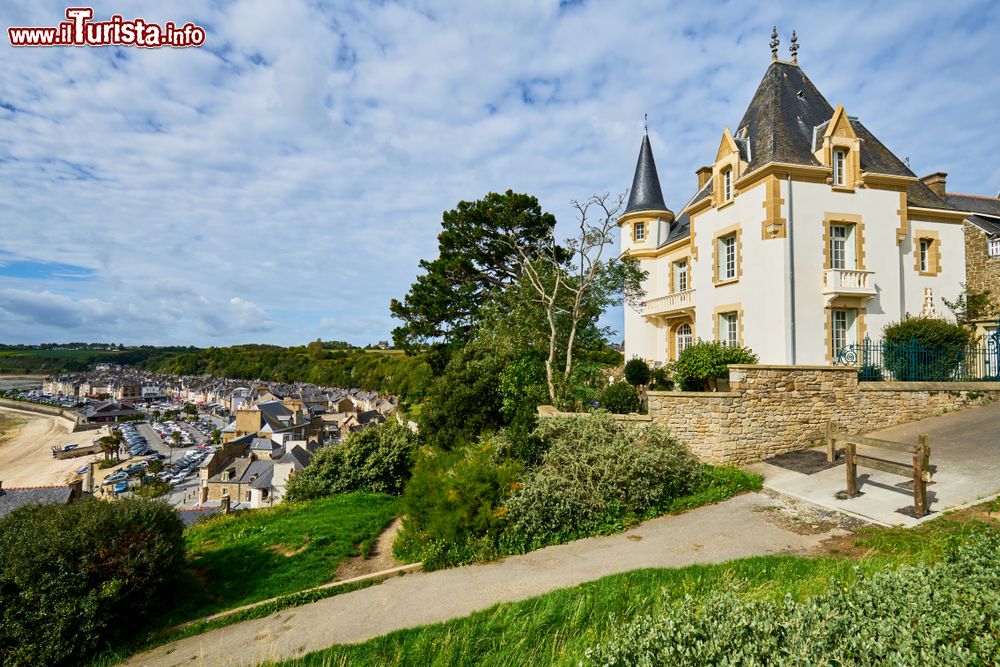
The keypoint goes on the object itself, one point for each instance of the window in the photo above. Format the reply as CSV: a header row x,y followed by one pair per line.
x,y
925,254
225,491
993,249
727,257
727,185
839,163
681,276
842,330
728,323
639,231
684,338
842,250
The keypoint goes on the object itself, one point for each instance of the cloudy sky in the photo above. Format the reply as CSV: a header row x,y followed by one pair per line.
x,y
281,183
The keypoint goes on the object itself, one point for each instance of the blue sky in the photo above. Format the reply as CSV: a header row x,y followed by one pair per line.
x,y
282,182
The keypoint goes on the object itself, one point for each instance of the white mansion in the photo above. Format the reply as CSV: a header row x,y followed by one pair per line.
x,y
805,233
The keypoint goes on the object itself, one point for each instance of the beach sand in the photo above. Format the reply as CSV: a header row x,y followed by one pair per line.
x,y
26,451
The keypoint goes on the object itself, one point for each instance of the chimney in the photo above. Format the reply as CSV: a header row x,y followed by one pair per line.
x,y
936,182
703,173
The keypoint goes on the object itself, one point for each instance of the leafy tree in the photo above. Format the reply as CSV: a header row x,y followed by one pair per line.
x,y
637,372
176,437
476,257
190,409
699,366
970,307
77,579
465,400
620,398
575,283
377,460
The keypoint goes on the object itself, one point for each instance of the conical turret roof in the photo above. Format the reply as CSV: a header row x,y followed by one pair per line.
x,y
645,194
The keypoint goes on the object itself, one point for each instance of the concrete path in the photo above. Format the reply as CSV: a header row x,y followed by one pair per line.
x,y
965,461
736,528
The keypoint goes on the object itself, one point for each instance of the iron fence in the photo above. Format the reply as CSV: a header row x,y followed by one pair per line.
x,y
912,361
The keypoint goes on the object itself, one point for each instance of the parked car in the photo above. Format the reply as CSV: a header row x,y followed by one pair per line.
x,y
116,477
121,487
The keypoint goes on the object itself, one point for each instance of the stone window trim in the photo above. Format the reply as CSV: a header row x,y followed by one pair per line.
x,y
672,287
833,219
728,308
732,230
860,328
933,254
672,351
639,231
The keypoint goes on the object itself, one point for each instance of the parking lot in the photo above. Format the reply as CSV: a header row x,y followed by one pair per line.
x,y
148,442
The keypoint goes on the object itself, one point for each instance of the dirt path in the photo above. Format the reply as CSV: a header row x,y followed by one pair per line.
x,y
749,525
26,451
379,560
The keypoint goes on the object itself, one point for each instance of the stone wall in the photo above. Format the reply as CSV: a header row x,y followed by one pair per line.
x,y
982,272
770,410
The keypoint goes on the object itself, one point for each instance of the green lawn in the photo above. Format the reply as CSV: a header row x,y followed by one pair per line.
x,y
557,627
255,555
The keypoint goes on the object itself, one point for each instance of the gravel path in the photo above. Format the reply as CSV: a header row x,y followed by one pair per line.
x,y
748,525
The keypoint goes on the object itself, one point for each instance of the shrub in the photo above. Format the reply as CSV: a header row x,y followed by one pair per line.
x,y
620,398
698,367
662,379
941,614
453,505
637,372
924,348
74,579
597,475
377,460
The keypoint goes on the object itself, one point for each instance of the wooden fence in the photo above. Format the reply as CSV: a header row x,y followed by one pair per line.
x,y
919,472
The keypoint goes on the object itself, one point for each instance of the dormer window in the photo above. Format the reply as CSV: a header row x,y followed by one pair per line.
x,y
839,165
639,231
727,184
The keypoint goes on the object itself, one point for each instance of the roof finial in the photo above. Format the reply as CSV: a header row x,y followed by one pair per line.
x,y
774,43
645,123
794,48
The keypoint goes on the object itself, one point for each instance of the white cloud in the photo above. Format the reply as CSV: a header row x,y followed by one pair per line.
x,y
302,158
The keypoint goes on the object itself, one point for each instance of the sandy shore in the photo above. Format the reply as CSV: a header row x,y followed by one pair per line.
x,y
26,453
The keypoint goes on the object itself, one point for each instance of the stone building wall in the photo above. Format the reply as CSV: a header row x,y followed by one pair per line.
x,y
770,410
982,272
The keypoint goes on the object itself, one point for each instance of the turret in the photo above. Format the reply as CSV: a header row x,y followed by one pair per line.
x,y
646,220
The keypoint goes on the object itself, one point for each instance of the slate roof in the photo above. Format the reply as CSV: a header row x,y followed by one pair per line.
x,y
297,456
645,194
12,498
989,225
973,204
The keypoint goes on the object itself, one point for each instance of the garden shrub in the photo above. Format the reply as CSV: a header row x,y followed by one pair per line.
x,y
377,460
620,398
662,379
924,348
698,367
637,372
76,579
453,505
597,475
940,614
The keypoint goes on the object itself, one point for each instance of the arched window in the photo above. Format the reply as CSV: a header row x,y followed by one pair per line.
x,y
683,334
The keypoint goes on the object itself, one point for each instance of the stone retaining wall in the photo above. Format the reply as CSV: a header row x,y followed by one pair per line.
x,y
770,410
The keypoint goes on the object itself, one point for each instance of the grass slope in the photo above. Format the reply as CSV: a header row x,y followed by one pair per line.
x,y
557,627
252,556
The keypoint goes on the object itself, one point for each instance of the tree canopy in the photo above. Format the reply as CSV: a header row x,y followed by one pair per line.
x,y
475,259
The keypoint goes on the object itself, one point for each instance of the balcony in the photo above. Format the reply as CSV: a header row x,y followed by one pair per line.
x,y
671,304
848,282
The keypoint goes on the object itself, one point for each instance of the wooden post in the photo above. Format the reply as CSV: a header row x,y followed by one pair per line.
x,y
919,486
926,451
851,465
831,455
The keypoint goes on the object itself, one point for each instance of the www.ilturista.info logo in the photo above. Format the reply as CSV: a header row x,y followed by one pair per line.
x,y
79,30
